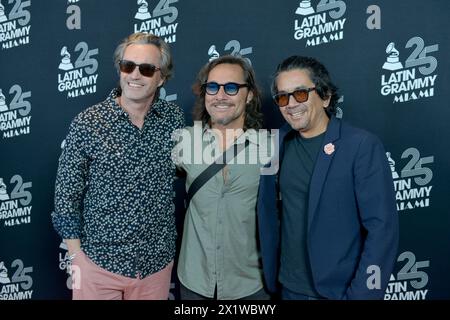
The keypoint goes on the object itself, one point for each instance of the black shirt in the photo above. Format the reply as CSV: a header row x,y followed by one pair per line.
x,y
295,175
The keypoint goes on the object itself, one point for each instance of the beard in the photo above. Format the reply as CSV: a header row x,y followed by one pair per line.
x,y
224,121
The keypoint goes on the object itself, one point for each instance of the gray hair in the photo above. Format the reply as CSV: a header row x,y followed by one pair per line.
x,y
147,38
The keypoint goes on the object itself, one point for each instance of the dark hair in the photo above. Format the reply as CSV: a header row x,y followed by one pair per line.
x,y
253,115
317,73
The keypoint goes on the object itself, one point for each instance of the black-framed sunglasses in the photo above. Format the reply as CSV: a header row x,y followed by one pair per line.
x,y
146,69
300,95
230,88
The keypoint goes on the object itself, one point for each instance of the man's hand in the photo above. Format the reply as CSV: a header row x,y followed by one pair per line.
x,y
73,246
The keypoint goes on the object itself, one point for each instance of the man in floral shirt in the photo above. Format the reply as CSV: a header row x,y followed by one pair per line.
x,y
114,187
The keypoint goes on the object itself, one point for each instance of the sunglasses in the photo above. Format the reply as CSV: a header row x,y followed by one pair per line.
x,y
300,95
230,88
146,69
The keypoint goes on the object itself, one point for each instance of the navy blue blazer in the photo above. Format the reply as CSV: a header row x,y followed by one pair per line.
x,y
352,216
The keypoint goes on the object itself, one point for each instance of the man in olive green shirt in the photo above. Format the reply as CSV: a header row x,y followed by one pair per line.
x,y
219,256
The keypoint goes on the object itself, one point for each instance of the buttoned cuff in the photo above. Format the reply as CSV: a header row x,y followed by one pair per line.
x,y
67,225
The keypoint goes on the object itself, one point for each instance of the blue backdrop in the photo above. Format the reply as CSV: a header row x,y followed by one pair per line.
x,y
387,57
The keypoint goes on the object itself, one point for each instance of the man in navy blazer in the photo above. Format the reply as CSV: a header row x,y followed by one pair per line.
x,y
334,234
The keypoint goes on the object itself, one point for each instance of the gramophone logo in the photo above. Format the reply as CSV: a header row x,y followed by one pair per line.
x,y
142,13
232,47
4,279
392,165
15,119
65,64
392,61
213,53
304,8
161,21
3,192
415,78
78,75
15,26
3,106
3,17
320,25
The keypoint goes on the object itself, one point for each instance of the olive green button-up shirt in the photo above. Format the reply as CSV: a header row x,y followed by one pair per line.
x,y
219,245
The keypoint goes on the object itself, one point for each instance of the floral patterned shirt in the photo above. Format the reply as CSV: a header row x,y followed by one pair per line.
x,y
114,187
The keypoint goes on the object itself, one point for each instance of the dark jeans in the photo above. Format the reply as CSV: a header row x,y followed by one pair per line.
x,y
187,294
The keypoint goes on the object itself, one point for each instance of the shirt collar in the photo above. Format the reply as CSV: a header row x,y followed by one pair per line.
x,y
251,135
156,108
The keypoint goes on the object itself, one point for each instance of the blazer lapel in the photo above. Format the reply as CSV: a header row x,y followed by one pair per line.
x,y
321,168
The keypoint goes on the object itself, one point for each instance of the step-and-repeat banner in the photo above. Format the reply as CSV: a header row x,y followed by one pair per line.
x,y
389,59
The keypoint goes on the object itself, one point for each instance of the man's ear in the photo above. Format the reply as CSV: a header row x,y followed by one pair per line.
x,y
161,82
326,102
249,96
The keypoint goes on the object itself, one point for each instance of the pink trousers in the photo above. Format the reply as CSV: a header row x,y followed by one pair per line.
x,y
90,282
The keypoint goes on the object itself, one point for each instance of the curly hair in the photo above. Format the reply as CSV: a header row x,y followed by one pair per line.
x,y
253,115
318,74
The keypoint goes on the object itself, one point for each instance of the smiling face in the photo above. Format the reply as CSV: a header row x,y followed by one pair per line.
x,y
227,111
308,117
136,88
